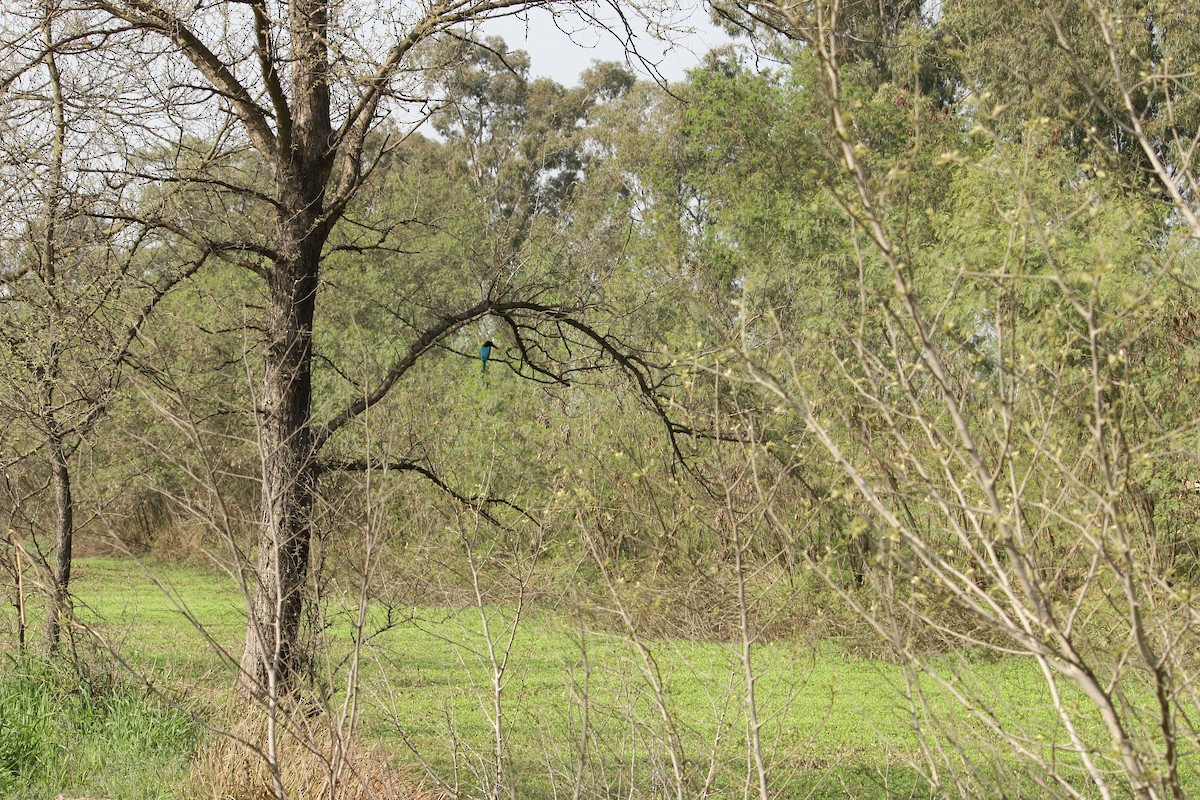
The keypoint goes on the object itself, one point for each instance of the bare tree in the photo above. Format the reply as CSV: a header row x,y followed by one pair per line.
x,y
246,130
70,285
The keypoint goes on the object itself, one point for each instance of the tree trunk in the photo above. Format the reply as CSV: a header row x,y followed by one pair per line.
x,y
302,166
270,660
64,527
64,531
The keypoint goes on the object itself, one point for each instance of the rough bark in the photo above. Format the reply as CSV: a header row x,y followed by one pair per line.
x,y
271,660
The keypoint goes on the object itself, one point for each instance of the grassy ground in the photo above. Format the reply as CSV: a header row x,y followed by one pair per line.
x,y
834,726
101,736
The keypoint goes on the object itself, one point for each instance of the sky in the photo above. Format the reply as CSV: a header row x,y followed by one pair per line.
x,y
561,44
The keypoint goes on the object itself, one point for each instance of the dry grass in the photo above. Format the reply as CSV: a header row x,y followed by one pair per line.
x,y
314,763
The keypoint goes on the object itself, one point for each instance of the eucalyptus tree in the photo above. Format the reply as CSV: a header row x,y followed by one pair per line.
x,y
1113,77
522,142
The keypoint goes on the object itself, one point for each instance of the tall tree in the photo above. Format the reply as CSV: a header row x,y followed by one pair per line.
x,y
301,85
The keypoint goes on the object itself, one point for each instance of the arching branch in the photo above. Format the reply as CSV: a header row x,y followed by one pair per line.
x,y
566,320
427,340
479,502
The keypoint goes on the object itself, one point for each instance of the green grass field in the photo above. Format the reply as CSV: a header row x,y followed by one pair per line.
x,y
834,725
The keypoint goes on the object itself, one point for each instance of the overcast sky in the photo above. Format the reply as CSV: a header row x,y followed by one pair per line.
x,y
562,45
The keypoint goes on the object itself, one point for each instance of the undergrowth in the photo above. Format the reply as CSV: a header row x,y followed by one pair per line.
x,y
82,730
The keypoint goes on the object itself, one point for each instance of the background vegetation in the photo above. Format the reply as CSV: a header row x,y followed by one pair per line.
x,y
839,438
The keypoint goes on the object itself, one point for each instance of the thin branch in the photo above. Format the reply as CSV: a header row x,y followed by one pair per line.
x,y
477,502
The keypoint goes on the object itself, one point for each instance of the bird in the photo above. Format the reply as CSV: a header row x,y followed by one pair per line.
x,y
484,352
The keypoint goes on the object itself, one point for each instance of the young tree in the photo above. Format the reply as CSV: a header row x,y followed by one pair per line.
x,y
73,286
990,406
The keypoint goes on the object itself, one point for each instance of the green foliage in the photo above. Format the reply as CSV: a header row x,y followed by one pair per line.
x,y
92,733
716,236
1049,59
